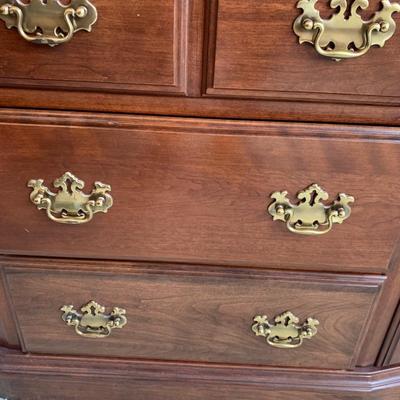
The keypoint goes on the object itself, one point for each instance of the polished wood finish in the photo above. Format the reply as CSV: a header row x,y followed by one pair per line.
x,y
134,47
197,190
192,254
253,52
201,107
8,330
177,313
395,359
381,330
27,377
246,71
390,354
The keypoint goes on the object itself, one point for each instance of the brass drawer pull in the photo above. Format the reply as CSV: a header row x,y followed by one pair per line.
x,y
310,214
69,205
92,322
285,332
343,36
48,22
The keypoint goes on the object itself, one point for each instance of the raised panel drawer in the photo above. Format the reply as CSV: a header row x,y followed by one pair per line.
x,y
133,47
185,313
254,52
198,191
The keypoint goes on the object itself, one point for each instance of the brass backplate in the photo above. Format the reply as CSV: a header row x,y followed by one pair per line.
x,y
345,34
48,21
92,322
285,332
70,205
310,216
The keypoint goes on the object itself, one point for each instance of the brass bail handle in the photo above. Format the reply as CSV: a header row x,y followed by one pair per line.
x,y
49,22
310,216
285,332
342,36
92,321
70,205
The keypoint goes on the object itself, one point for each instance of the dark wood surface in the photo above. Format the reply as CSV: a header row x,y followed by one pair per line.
x,y
8,331
35,377
253,52
177,313
380,331
198,190
390,354
238,60
310,111
139,46
395,359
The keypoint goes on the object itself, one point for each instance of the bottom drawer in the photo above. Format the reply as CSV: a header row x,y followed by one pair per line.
x,y
184,313
73,388
42,377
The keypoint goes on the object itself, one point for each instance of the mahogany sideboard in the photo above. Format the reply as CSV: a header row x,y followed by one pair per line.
x,y
199,199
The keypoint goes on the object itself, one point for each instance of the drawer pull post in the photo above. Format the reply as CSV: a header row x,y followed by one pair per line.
x,y
310,214
70,205
49,22
343,36
92,322
285,332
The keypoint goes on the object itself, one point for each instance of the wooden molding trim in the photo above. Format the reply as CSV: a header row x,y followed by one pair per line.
x,y
196,125
278,110
365,381
15,264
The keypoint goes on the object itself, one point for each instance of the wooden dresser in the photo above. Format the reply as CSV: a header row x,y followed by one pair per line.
x,y
200,199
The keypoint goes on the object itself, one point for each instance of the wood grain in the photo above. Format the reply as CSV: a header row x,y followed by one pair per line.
x,y
381,331
253,52
395,359
136,46
168,47
390,353
197,190
8,331
35,377
178,314
250,109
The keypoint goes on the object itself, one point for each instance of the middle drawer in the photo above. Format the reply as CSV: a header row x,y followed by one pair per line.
x,y
198,191
192,314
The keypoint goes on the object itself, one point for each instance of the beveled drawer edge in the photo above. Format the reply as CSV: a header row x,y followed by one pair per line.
x,y
201,125
364,381
16,264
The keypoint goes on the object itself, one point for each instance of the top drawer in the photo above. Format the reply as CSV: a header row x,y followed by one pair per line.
x,y
198,191
133,46
254,52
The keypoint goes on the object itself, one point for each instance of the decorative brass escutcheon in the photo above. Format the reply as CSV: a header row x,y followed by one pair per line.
x,y
285,332
69,205
345,36
310,214
92,322
48,21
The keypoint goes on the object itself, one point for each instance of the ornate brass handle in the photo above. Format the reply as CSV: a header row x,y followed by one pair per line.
x,y
310,214
285,332
48,22
70,205
341,36
92,322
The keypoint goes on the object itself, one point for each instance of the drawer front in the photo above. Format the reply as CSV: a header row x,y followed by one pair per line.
x,y
35,377
199,192
254,52
133,46
176,313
